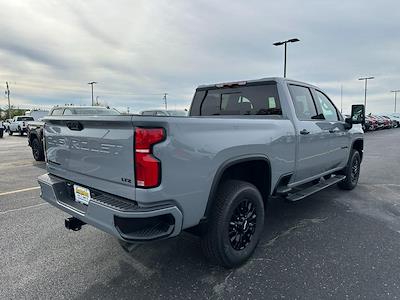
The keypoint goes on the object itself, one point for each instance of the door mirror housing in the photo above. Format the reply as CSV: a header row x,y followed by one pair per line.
x,y
357,115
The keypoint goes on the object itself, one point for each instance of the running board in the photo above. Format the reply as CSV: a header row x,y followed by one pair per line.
x,y
315,188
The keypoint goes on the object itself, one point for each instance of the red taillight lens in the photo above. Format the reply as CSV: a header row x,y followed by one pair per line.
x,y
147,167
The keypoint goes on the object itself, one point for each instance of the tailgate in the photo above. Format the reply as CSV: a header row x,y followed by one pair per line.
x,y
93,151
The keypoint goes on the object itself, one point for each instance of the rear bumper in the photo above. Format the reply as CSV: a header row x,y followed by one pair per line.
x,y
115,215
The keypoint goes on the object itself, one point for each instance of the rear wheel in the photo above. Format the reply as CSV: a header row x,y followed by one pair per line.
x,y
352,171
235,224
37,150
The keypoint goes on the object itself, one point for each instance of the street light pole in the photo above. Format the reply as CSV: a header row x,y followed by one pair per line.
x,y
91,83
395,98
285,44
341,98
365,89
8,98
165,100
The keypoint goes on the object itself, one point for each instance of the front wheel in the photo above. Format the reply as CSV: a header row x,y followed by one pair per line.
x,y
352,171
235,225
10,132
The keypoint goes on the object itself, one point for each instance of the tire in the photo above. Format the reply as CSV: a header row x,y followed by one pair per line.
x,y
1,133
352,172
10,132
37,150
235,224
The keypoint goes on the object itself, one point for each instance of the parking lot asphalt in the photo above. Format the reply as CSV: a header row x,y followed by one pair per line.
x,y
335,244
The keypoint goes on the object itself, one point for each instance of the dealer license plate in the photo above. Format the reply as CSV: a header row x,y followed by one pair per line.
x,y
82,195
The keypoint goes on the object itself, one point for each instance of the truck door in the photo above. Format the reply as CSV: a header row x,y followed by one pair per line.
x,y
313,140
333,123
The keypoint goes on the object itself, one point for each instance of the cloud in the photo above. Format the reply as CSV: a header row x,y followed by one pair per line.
x,y
137,50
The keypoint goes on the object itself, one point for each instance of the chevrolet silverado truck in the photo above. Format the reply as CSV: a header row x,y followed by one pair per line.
x,y
19,124
142,178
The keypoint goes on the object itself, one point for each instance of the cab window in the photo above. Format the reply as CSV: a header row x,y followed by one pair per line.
x,y
328,109
303,103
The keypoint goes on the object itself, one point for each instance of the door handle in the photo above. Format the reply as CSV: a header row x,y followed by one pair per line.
x,y
304,131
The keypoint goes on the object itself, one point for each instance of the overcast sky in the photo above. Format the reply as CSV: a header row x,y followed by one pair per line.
x,y
137,50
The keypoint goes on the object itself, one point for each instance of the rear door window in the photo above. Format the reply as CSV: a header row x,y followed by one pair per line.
x,y
244,100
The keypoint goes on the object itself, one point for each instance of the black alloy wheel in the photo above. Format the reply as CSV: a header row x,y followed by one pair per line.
x,y
242,225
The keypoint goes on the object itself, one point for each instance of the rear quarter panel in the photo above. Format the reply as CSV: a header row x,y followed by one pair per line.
x,y
197,146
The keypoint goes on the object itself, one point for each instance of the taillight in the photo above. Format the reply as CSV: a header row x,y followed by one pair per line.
x,y
147,167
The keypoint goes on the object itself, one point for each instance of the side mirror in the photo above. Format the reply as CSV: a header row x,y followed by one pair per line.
x,y
358,114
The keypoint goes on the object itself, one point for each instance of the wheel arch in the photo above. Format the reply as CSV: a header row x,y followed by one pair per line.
x,y
358,145
230,169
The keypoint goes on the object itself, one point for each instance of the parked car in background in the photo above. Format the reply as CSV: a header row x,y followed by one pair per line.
x,y
19,124
371,123
35,129
396,117
387,122
380,122
164,113
393,121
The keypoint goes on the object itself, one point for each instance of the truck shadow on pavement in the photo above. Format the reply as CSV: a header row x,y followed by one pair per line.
x,y
177,267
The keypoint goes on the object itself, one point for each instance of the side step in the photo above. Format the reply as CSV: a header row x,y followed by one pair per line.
x,y
315,188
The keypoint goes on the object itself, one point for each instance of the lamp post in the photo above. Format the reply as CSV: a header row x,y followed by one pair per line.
x,y
285,43
395,98
365,89
91,83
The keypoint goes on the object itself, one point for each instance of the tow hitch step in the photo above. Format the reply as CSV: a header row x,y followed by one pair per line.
x,y
315,188
74,224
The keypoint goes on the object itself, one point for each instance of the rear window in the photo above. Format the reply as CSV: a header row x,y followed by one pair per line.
x,y
243,100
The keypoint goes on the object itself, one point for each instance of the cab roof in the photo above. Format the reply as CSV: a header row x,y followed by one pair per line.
x,y
253,81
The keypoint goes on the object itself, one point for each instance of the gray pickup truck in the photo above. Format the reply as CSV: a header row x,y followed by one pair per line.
x,y
144,178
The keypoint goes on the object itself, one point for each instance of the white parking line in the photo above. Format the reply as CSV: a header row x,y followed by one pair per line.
x,y
20,191
21,208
